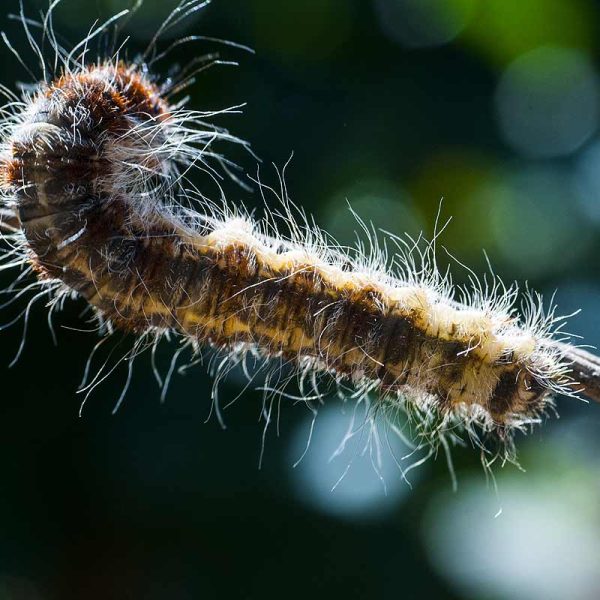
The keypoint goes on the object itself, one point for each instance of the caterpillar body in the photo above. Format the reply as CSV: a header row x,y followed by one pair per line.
x,y
93,168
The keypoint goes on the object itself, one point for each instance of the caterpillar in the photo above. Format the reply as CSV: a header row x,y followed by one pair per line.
x,y
96,203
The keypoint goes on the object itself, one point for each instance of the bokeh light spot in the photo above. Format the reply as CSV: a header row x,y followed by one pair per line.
x,y
533,223
548,102
451,177
503,30
417,23
378,201
542,546
583,296
587,180
369,482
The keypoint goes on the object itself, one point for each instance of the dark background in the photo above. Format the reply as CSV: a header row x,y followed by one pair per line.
x,y
493,105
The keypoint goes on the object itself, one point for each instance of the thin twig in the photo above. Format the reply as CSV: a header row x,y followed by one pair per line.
x,y
585,370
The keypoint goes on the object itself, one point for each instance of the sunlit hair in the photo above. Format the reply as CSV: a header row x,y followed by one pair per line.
x,y
97,203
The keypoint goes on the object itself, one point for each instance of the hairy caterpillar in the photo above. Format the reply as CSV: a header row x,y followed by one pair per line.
x,y
96,203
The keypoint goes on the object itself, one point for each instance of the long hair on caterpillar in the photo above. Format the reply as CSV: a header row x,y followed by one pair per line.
x,y
97,203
